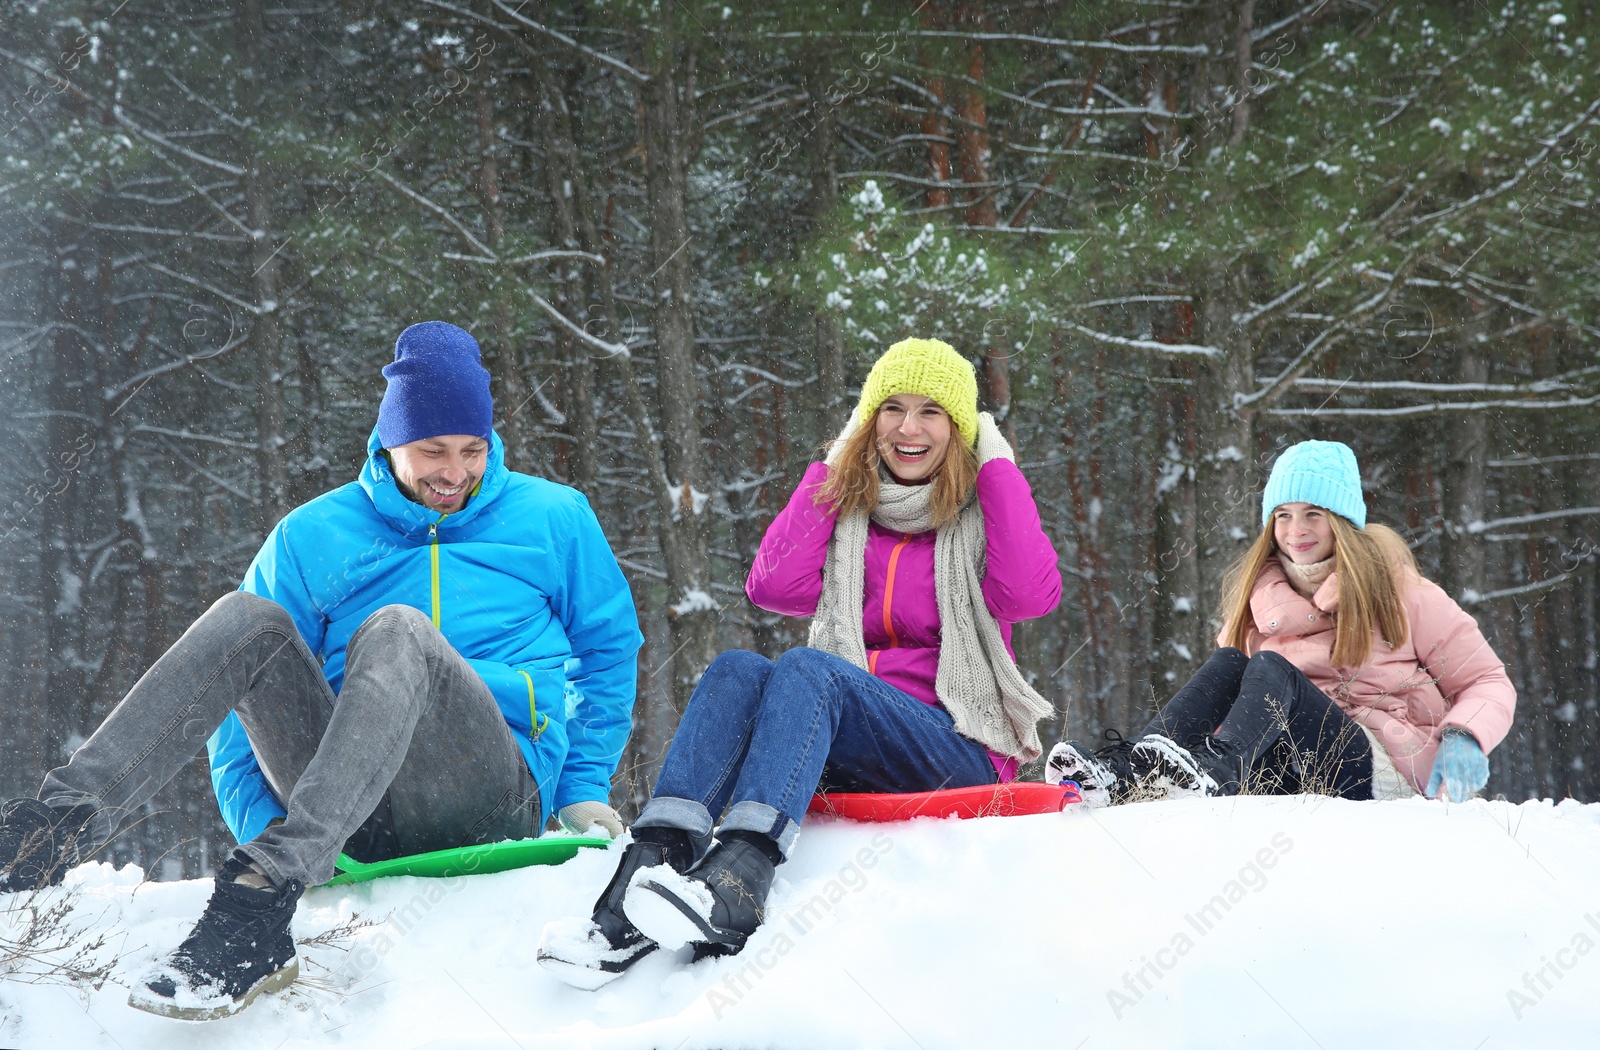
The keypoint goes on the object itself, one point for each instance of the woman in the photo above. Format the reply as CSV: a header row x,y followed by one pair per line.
x,y
914,547
1341,670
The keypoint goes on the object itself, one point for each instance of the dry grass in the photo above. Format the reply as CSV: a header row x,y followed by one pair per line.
x,y
323,959
48,937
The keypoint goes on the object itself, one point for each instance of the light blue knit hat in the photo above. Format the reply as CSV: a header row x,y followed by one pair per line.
x,y
1322,473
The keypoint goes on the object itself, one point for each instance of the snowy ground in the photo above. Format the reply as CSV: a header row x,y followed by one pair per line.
x,y
1272,922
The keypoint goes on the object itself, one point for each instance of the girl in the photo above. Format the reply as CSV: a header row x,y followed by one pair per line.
x,y
914,547
1342,671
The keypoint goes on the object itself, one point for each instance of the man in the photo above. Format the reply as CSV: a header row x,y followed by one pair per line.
x,y
438,654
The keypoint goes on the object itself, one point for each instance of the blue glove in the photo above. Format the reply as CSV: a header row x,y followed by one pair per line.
x,y
1460,767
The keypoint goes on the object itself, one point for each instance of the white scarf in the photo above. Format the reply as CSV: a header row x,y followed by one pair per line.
x,y
977,682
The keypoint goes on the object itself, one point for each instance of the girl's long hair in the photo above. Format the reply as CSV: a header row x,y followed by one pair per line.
x,y
1374,566
853,480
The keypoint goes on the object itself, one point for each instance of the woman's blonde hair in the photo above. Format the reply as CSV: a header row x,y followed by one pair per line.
x,y
1374,566
853,480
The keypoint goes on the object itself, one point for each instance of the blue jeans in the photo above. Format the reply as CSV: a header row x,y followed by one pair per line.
x,y
763,736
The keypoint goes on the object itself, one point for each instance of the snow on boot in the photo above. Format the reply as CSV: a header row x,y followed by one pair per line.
x,y
38,843
589,953
716,906
1162,768
1104,776
240,948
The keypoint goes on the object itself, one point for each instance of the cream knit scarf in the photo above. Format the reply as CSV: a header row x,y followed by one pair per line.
x,y
977,681
1307,578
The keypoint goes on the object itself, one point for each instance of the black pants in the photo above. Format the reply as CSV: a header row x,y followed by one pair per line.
x,y
1296,739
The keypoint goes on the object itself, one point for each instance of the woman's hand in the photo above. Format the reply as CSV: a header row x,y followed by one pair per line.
x,y
1461,768
991,443
836,448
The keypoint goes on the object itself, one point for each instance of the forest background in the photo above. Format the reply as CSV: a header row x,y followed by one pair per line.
x,y
1173,235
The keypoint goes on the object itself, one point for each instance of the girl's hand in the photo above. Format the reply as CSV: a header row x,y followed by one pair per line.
x,y
1461,768
991,443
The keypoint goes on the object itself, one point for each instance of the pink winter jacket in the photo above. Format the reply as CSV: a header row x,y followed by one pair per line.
x,y
900,623
1444,675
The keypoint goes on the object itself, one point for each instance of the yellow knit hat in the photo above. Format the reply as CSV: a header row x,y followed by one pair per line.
x,y
930,368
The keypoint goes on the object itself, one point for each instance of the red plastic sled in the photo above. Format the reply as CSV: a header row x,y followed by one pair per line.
x,y
1016,799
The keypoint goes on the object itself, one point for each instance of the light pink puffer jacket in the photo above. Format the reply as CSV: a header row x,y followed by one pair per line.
x,y
1444,675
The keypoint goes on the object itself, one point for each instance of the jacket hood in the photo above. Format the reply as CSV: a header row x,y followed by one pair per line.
x,y
377,480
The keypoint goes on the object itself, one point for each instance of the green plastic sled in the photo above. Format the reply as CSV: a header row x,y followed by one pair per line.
x,y
470,860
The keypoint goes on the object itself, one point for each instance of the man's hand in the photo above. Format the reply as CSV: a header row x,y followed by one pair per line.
x,y
581,816
1460,768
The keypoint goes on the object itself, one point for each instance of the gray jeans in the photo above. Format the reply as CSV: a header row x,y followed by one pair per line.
x,y
413,730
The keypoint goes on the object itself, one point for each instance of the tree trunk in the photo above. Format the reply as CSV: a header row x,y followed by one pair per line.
x,y
832,375
1225,482
1226,490
1468,440
68,517
692,611
1241,73
500,355
936,125
974,159
266,331
1179,640
972,130
563,178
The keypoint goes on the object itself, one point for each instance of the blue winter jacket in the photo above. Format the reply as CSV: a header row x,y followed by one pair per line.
x,y
520,581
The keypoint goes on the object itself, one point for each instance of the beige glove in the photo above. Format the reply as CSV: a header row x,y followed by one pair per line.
x,y
581,816
991,443
836,448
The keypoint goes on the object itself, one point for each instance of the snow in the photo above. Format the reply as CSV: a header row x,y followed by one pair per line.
x,y
1273,922
869,201
694,600
697,499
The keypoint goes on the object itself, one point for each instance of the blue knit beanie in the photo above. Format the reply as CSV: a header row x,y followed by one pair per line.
x,y
437,386
1322,473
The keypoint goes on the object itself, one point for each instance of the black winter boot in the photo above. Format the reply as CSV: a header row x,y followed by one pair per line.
x,y
240,948
717,905
589,953
1105,775
1225,762
38,843
1163,768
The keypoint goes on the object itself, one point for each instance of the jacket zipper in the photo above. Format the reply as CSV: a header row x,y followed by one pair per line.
x,y
888,602
433,558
